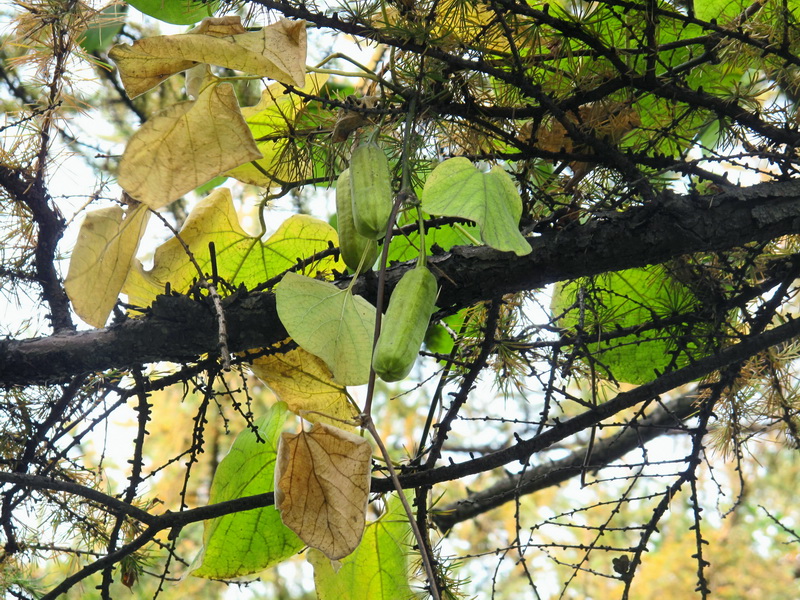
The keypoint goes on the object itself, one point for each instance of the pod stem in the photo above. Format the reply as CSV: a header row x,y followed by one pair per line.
x,y
460,228
422,259
379,299
364,254
366,73
400,198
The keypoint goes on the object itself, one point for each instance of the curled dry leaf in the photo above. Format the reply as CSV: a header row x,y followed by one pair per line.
x,y
349,119
322,486
277,51
220,26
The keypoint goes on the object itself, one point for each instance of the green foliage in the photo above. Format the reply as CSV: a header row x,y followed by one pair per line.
x,y
371,190
353,246
329,322
406,246
377,570
456,188
250,541
410,308
106,25
628,301
178,12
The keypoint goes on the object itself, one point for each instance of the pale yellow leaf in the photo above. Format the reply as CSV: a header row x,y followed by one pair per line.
x,y
306,384
322,486
220,26
240,258
271,123
186,145
102,257
277,51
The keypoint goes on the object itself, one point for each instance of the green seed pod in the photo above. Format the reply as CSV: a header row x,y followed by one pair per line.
x,y
371,187
410,308
351,243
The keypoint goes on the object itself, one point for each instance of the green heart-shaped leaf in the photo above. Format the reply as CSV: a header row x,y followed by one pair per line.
x,y
456,188
330,323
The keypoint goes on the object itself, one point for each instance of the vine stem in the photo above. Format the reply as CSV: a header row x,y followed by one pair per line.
x,y
379,301
366,72
398,202
427,563
366,418
366,75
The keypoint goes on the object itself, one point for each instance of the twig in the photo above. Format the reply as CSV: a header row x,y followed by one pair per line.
x,y
222,329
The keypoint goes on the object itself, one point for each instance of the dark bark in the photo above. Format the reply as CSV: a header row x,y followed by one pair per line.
x,y
30,192
180,329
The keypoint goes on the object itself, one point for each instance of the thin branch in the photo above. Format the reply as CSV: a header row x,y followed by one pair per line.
x,y
524,449
534,479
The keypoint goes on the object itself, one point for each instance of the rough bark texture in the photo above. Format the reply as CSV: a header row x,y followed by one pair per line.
x,y
180,329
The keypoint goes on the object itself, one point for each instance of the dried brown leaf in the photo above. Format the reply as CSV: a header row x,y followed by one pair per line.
x,y
322,486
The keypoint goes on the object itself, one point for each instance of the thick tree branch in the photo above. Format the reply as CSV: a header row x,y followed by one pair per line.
x,y
179,329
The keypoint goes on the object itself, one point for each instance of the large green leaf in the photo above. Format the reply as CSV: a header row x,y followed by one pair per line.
x,y
630,299
330,323
377,570
457,189
438,339
103,28
241,258
719,10
250,541
177,12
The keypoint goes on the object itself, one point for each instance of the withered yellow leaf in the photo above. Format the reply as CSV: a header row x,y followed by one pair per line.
x,y
322,486
306,384
102,257
277,51
271,123
220,26
186,145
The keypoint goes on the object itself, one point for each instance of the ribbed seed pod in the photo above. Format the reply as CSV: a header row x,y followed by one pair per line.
x,y
371,187
351,243
410,308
